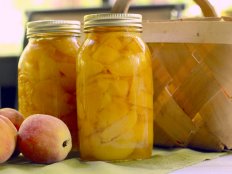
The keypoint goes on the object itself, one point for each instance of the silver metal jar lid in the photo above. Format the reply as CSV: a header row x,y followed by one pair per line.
x,y
53,27
113,19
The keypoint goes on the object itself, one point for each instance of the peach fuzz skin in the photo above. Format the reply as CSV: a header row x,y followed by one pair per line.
x,y
16,118
8,137
13,115
44,139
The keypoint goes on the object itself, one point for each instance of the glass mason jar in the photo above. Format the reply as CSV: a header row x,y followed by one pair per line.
x,y
115,89
47,72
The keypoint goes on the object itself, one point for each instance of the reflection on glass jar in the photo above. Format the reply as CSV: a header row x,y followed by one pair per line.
x,y
115,91
47,72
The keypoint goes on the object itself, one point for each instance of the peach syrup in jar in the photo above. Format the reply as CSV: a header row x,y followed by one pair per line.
x,y
47,72
115,89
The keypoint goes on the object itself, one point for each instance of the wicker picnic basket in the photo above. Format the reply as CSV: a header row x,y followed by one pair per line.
x,y
192,75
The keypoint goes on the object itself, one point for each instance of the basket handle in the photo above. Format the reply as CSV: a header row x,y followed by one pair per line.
x,y
206,8
122,6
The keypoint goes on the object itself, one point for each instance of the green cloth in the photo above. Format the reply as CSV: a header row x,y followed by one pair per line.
x,y
162,161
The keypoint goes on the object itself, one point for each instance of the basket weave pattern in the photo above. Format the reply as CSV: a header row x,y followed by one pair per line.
x,y
192,95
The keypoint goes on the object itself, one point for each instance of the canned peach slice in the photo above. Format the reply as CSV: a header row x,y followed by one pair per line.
x,y
141,98
59,57
92,68
141,132
86,128
138,96
119,88
119,148
148,81
81,110
126,66
144,114
68,84
142,84
66,76
85,145
106,99
135,45
70,44
67,69
49,90
110,113
100,82
90,48
112,40
42,48
29,71
26,105
31,67
47,73
93,106
106,55
119,127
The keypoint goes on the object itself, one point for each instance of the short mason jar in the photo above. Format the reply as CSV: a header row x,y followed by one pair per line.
x,y
47,72
115,89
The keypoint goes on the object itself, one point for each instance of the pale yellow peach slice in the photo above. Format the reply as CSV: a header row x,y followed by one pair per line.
x,y
67,69
112,112
112,40
138,96
120,126
92,68
51,99
141,98
47,68
67,76
119,88
93,105
116,149
106,55
100,83
25,90
66,45
126,66
135,46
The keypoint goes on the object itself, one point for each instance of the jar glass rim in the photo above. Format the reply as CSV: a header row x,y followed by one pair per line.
x,y
59,27
112,19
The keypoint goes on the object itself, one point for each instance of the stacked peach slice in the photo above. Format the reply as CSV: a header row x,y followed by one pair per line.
x,y
47,80
114,97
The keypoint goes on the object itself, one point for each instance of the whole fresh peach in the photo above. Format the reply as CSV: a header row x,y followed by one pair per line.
x,y
8,136
44,139
16,118
13,115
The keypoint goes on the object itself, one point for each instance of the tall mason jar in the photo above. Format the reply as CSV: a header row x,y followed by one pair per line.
x,y
47,72
115,89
